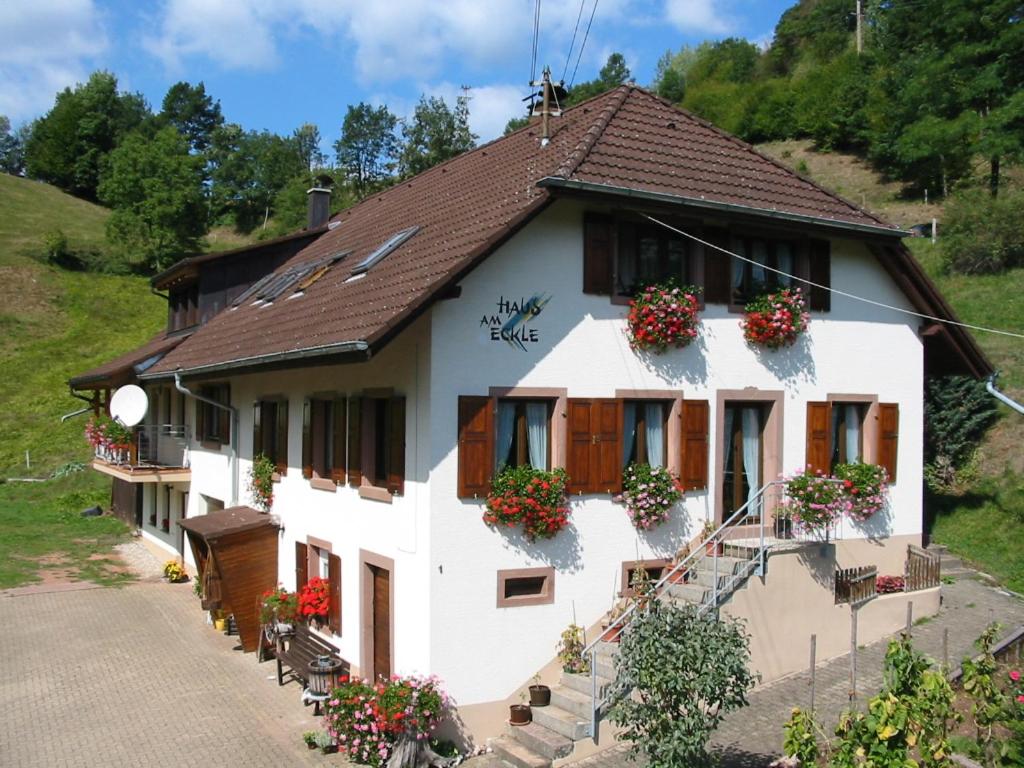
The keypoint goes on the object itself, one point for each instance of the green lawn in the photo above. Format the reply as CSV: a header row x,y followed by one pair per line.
x,y
41,530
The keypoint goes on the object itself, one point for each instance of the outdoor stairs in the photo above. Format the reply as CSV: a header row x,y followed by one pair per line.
x,y
949,564
567,719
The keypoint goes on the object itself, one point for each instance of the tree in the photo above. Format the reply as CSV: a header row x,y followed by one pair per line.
x,y
195,114
678,674
515,123
368,149
307,143
12,147
436,134
69,144
155,187
612,74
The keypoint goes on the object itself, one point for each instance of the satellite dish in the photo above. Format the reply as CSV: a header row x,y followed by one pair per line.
x,y
129,405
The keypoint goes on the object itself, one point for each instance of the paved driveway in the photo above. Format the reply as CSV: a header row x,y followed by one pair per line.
x,y
135,677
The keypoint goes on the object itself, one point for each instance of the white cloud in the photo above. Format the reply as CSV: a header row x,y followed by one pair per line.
x,y
697,16
45,46
490,106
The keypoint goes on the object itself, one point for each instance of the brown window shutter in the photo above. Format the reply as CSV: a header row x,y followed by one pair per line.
x,y
257,430
224,415
717,268
338,440
396,447
476,445
819,444
597,254
694,476
696,267
334,577
307,438
888,437
579,456
607,428
301,564
820,272
355,442
281,459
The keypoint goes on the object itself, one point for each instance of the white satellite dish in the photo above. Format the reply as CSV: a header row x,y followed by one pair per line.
x,y
129,405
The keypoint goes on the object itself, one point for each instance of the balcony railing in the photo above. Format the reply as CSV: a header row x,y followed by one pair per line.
x,y
152,446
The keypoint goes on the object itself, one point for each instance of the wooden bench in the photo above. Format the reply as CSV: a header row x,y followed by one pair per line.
x,y
295,653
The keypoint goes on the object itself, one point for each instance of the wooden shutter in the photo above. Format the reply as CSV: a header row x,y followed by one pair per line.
x,y
578,455
396,446
820,272
301,564
717,268
594,456
281,459
224,415
476,445
694,476
334,577
888,437
355,442
819,433
257,428
338,440
307,438
597,254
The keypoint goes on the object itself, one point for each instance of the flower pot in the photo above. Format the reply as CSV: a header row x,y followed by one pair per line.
x,y
220,624
713,548
519,714
540,695
611,634
679,577
311,745
783,528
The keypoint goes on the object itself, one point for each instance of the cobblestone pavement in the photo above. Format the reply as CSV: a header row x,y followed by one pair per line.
x,y
753,736
136,677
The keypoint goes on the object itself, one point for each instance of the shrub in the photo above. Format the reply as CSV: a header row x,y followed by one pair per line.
x,y
981,233
649,493
533,498
662,316
887,585
957,413
801,737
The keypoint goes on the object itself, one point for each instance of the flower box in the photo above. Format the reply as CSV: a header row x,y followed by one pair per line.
x,y
775,320
663,316
535,499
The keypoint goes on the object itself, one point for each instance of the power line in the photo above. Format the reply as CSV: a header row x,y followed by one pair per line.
x,y
583,44
836,291
576,29
536,34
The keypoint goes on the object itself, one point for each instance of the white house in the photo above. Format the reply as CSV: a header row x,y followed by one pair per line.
x,y
474,316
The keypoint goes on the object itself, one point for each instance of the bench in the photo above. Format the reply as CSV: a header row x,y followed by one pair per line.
x,y
296,651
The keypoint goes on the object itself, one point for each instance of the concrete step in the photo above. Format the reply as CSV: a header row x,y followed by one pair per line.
x,y
561,721
693,592
488,760
541,740
606,668
726,564
582,683
571,700
607,651
518,754
937,548
707,579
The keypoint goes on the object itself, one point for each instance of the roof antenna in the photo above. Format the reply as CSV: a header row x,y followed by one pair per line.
x,y
548,92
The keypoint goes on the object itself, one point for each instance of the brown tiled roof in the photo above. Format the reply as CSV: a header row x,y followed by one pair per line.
x,y
464,208
121,370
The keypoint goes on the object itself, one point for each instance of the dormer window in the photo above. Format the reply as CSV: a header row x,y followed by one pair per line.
x,y
183,307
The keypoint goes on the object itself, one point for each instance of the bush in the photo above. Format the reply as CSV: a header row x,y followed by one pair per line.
x,y
957,413
983,234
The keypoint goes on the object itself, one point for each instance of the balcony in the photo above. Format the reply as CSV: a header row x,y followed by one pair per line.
x,y
157,454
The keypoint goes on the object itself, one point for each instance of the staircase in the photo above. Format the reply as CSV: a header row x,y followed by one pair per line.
x,y
949,564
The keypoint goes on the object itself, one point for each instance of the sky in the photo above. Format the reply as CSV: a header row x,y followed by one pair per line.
x,y
276,64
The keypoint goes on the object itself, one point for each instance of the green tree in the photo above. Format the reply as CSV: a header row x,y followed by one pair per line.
x,y
515,123
435,134
307,143
155,187
12,147
69,144
612,74
368,148
678,675
194,113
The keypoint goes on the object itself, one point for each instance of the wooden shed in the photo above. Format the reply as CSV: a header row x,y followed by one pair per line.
x,y
235,551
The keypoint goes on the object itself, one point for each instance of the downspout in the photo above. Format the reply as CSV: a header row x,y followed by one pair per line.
x,y
234,430
990,385
72,415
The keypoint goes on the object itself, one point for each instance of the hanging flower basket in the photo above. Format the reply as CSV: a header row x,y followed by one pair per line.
x,y
865,487
663,316
649,493
532,498
261,482
775,320
814,501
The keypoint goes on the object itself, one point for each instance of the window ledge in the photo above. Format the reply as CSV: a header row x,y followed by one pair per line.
x,y
375,493
323,484
211,445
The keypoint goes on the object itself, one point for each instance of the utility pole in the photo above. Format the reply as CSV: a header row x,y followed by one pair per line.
x,y
860,33
546,112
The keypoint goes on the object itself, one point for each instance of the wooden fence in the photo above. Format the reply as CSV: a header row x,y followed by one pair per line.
x,y
855,585
921,570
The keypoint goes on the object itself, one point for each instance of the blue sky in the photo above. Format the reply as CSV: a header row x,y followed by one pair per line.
x,y
276,64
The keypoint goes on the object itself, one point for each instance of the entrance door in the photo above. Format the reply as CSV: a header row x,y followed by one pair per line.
x,y
743,464
380,617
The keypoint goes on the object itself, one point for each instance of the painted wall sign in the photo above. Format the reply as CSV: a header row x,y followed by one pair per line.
x,y
513,322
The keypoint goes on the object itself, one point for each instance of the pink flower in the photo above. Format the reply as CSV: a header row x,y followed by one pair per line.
x,y
1014,675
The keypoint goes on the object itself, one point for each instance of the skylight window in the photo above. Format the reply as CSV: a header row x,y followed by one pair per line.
x,y
391,244
270,287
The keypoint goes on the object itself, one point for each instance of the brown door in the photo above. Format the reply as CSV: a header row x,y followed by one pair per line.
x,y
381,620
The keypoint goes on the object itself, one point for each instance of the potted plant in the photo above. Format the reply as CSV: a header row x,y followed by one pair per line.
x,y
682,575
813,500
783,525
535,499
325,741
540,695
663,315
649,493
520,714
775,320
310,738
261,482
174,572
570,651
315,601
864,486
220,622
711,548
279,609
610,631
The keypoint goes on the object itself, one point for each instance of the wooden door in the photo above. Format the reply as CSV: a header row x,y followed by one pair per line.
x,y
380,617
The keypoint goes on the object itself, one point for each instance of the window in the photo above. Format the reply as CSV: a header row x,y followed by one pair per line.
x,y
650,254
213,424
644,438
655,570
390,245
270,432
847,433
323,438
743,460
523,434
376,450
840,432
316,559
750,280
526,586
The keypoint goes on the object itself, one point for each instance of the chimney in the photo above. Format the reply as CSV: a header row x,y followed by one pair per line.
x,y
319,203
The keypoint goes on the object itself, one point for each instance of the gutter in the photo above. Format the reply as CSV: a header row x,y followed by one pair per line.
x,y
268,359
554,182
72,415
990,385
234,431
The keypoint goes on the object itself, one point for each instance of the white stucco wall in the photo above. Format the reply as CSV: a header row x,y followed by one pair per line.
x,y
483,652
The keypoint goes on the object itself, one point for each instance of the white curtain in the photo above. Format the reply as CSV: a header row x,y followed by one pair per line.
x,y
738,265
628,431
852,433
537,434
752,454
655,434
506,427
760,256
784,263
727,419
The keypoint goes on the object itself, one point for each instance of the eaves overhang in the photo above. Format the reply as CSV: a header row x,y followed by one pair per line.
x,y
243,364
